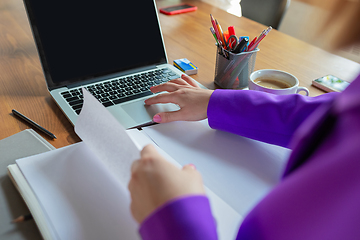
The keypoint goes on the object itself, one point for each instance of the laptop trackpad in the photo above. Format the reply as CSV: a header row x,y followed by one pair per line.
x,y
142,113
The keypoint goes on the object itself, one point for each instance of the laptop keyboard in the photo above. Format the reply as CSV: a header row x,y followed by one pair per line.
x,y
120,90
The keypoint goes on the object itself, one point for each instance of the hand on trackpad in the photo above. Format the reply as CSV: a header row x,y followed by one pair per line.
x,y
161,107
143,114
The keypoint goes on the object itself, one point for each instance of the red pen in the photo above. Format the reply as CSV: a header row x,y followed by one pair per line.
x,y
261,37
252,42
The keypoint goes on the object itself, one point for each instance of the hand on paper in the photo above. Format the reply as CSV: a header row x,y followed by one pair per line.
x,y
154,181
192,100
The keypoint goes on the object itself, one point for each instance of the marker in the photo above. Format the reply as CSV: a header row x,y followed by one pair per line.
x,y
33,124
241,45
231,30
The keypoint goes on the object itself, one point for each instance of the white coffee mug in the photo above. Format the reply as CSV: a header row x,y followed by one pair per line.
x,y
277,75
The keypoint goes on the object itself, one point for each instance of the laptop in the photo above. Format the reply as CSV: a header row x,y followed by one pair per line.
x,y
114,49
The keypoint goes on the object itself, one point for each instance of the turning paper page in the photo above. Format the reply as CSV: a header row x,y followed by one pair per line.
x,y
107,138
80,197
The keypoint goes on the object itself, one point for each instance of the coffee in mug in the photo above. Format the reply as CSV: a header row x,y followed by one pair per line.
x,y
271,83
275,82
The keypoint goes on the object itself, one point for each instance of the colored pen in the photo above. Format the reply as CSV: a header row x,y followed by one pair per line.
x,y
33,124
252,42
261,37
263,34
215,29
217,42
214,34
220,33
22,218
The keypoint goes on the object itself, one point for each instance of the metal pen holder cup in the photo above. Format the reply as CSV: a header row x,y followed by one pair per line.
x,y
232,71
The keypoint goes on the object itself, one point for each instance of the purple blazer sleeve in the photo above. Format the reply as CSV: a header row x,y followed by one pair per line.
x,y
186,218
261,116
319,199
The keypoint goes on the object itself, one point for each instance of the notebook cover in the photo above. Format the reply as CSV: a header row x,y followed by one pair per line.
x,y
19,145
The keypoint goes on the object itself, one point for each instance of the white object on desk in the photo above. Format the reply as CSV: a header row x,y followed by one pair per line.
x,y
82,190
239,170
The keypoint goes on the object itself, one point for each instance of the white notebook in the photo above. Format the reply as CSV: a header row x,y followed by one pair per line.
x,y
80,191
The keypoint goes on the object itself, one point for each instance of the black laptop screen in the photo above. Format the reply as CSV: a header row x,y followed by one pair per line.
x,y
82,39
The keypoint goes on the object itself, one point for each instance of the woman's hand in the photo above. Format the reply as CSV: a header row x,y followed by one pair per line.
x,y
184,92
154,181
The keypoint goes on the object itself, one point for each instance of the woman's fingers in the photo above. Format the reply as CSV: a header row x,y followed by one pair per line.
x,y
154,181
165,87
184,80
135,165
189,80
179,81
161,98
149,150
189,167
175,84
186,94
165,117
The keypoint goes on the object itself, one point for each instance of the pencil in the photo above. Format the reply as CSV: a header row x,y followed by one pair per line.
x,y
220,33
22,218
215,29
33,124
252,42
261,37
214,34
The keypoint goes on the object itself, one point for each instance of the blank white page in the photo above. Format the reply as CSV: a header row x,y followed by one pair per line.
x,y
78,195
107,138
239,170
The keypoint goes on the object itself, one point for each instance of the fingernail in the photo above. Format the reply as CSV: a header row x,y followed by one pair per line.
x,y
157,118
192,165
